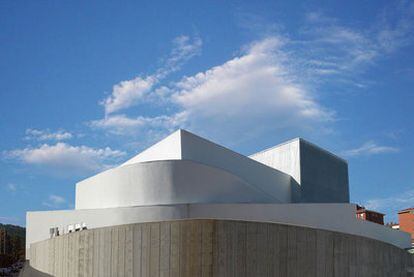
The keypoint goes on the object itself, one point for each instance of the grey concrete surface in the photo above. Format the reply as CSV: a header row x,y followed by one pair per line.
x,y
217,248
324,176
321,175
28,271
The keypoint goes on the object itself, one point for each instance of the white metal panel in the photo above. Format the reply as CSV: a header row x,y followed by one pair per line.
x,y
284,157
167,149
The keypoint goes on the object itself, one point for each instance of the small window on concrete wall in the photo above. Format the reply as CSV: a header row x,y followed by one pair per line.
x,y
77,227
70,228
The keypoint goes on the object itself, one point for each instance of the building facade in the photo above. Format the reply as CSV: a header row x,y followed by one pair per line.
x,y
369,215
188,182
406,222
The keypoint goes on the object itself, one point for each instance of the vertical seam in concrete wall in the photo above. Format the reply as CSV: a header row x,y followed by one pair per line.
x,y
169,248
202,248
110,260
267,255
123,237
141,258
333,257
245,247
179,248
159,249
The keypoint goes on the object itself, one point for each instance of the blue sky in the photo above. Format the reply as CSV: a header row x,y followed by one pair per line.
x,y
86,85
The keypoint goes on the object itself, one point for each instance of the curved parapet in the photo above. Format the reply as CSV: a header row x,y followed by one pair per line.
x,y
175,182
217,248
332,217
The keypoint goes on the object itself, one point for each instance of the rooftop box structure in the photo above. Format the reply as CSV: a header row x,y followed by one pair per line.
x,y
321,175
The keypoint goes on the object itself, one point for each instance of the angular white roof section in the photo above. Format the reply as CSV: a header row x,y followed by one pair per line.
x,y
183,145
185,168
166,149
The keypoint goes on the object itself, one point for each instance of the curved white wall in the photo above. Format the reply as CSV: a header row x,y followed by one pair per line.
x,y
175,182
183,145
332,217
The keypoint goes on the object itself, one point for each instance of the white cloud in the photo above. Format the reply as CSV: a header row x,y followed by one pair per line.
x,y
127,93
257,86
277,83
42,135
65,158
124,125
54,201
370,148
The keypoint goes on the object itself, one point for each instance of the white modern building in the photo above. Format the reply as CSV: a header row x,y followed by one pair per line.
x,y
186,177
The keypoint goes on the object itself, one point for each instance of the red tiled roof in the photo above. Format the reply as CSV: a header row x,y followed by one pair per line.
x,y
363,210
406,210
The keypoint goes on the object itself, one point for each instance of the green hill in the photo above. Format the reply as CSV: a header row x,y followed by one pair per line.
x,y
15,244
14,230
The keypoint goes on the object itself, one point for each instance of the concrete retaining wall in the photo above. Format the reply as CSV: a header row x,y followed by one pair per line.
x,y
217,248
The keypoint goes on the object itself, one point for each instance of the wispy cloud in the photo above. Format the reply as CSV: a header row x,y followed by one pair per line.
x,y
323,32
370,148
65,158
43,135
184,48
395,28
392,204
54,201
337,49
11,187
8,220
394,134
127,93
123,125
